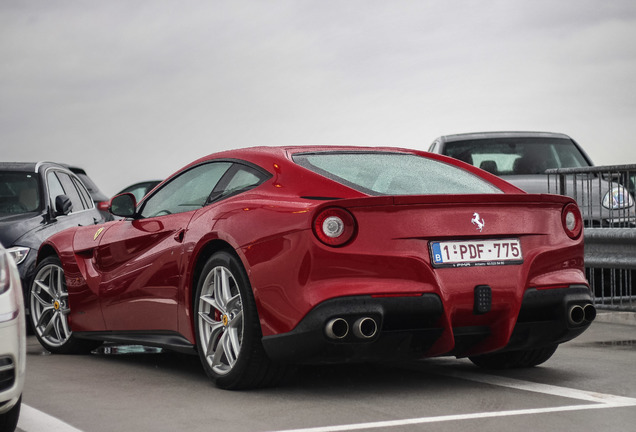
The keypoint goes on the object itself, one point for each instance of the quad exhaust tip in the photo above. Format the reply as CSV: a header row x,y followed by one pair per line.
x,y
362,328
365,328
337,328
578,314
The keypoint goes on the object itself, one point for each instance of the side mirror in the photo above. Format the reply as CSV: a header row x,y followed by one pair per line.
x,y
63,205
123,205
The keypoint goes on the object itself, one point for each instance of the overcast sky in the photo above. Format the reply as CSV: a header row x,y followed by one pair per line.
x,y
134,90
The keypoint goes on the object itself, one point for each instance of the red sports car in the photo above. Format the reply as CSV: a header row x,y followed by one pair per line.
x,y
262,257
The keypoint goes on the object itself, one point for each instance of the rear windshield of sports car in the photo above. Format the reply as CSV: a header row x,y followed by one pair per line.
x,y
386,173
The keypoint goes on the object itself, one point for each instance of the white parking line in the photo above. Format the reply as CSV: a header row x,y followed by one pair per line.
x,y
33,420
438,419
565,392
600,401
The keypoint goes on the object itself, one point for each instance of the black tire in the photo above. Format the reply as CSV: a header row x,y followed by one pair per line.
x,y
227,327
9,420
49,310
514,359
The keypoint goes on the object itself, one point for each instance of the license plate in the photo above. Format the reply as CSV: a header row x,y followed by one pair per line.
x,y
476,253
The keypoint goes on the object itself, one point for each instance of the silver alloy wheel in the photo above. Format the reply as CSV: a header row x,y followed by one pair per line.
x,y
49,305
221,319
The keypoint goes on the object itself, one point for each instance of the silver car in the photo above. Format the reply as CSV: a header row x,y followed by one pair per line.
x,y
522,159
12,343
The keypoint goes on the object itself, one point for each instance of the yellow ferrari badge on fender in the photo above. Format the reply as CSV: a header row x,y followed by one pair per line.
x,y
99,231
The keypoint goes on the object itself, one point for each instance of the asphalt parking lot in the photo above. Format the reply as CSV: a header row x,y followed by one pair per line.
x,y
588,385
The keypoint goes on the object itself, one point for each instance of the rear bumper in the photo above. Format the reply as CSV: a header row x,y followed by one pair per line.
x,y
407,327
543,319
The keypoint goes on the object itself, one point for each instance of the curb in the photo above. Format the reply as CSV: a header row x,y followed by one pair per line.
x,y
615,317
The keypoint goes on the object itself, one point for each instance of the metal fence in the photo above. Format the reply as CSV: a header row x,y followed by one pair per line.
x,y
606,198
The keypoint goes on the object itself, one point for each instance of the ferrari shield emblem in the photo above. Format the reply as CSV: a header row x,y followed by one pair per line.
x,y
99,231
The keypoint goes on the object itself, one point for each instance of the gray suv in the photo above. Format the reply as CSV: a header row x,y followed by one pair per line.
x,y
36,201
522,159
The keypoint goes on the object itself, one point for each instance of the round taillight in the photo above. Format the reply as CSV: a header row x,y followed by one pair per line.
x,y
572,221
334,226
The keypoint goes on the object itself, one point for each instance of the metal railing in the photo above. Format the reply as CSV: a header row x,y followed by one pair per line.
x,y
605,194
610,265
606,198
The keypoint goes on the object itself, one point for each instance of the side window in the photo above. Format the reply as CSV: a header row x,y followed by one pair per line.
x,y
188,191
239,178
55,187
71,191
243,178
86,197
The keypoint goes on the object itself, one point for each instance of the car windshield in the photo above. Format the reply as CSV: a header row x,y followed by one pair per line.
x,y
19,193
386,173
517,156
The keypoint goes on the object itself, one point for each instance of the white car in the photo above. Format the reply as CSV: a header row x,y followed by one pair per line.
x,y
12,342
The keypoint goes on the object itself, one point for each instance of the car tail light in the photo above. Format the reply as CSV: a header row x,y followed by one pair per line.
x,y
103,205
572,221
334,226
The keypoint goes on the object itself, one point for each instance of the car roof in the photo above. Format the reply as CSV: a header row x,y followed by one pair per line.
x,y
267,157
256,153
503,134
29,166
274,159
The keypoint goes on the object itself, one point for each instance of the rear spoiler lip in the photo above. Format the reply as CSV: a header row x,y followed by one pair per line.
x,y
477,199
522,198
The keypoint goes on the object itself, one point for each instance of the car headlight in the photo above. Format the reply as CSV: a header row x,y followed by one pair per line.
x,y
617,198
18,253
